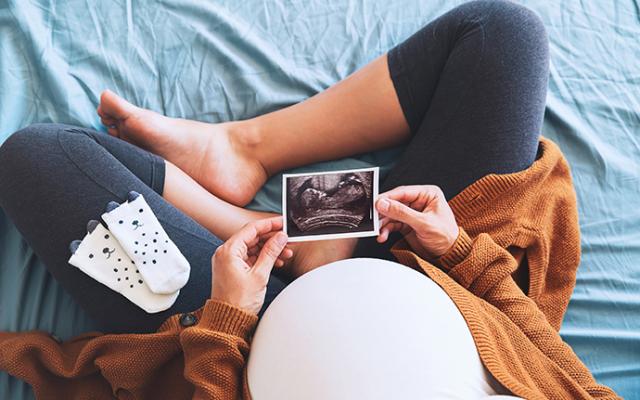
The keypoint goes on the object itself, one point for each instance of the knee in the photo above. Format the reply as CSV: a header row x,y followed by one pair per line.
x,y
19,152
514,23
514,39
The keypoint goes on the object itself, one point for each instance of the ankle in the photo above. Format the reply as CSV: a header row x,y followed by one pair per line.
x,y
247,137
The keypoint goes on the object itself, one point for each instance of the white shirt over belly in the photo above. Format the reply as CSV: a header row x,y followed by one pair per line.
x,y
365,329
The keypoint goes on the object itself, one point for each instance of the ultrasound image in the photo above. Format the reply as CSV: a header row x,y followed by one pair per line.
x,y
330,203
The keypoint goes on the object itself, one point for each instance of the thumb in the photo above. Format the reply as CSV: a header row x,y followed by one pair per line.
x,y
398,211
270,252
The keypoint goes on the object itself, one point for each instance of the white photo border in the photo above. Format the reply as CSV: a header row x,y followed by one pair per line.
x,y
308,238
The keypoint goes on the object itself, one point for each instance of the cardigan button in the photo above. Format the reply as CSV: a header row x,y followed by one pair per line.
x,y
188,319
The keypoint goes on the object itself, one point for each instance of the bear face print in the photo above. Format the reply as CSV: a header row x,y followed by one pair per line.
x,y
101,256
141,235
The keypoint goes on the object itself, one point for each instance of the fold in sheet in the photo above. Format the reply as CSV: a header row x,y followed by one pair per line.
x,y
225,60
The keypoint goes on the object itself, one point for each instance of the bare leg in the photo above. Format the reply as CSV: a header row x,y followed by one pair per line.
x,y
219,217
224,219
357,115
233,160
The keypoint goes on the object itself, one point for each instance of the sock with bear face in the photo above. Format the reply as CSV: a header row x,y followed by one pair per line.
x,y
159,260
100,256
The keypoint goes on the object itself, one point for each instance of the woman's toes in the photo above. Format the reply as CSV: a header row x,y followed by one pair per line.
x,y
114,106
105,119
113,131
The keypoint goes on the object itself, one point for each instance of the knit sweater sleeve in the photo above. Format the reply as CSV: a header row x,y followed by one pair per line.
x,y
216,350
484,268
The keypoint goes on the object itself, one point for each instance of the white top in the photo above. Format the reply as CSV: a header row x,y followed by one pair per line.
x,y
365,329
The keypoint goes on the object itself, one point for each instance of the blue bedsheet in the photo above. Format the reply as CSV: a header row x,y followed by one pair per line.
x,y
225,60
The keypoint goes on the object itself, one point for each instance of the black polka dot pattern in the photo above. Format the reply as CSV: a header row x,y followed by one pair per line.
x,y
146,244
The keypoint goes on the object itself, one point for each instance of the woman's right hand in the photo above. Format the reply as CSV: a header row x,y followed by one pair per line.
x,y
422,215
242,265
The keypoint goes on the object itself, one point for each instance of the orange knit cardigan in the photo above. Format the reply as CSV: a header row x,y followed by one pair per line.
x,y
504,218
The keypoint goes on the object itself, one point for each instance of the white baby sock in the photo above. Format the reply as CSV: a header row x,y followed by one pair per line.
x,y
100,256
159,260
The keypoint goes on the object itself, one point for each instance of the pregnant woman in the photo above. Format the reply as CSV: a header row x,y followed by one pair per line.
x,y
496,227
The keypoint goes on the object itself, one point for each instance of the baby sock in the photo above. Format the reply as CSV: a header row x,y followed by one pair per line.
x,y
159,260
100,256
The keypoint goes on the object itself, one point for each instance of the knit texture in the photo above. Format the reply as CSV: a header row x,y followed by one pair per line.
x,y
533,214
503,219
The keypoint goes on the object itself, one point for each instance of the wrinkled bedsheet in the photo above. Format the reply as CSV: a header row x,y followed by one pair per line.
x,y
227,60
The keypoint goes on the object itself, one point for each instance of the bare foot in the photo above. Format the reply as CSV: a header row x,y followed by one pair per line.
x,y
308,256
212,154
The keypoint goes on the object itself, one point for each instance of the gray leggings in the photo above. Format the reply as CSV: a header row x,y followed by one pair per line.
x,y
472,85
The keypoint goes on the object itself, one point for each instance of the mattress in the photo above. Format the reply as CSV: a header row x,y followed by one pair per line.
x,y
226,60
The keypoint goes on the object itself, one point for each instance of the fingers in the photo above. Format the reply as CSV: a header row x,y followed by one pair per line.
x,y
253,252
270,253
250,234
416,196
252,238
398,211
387,225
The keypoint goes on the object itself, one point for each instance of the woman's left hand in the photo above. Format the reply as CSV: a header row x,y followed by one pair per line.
x,y
422,215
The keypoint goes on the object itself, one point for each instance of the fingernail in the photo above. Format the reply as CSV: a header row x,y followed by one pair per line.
x,y
282,239
383,204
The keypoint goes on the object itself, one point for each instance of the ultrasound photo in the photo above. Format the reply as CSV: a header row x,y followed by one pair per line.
x,y
330,205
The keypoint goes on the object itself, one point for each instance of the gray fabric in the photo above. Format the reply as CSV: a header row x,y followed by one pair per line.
x,y
55,178
472,85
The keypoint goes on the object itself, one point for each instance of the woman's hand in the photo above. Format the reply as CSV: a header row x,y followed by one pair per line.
x,y
422,215
241,266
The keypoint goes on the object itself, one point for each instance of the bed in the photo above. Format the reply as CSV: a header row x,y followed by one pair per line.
x,y
226,60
